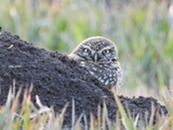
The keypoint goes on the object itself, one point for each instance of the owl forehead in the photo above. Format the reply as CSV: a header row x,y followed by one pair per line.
x,y
98,44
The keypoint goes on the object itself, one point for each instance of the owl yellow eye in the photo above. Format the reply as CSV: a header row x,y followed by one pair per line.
x,y
106,51
86,50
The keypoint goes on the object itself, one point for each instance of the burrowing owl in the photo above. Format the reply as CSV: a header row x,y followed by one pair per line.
x,y
99,55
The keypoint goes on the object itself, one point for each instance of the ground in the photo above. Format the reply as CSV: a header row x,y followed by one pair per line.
x,y
57,80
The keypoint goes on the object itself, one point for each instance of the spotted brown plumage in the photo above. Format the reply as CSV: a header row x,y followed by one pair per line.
x,y
100,56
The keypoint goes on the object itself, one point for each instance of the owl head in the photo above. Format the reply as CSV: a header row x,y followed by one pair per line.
x,y
97,49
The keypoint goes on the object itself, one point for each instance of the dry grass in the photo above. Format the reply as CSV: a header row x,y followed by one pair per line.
x,y
143,35
27,116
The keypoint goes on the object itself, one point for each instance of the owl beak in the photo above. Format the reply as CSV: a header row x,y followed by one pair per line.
x,y
95,57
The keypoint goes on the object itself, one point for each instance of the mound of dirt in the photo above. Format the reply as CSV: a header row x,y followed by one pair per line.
x,y
57,80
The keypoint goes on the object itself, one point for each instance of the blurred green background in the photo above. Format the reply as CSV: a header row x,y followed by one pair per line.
x,y
142,30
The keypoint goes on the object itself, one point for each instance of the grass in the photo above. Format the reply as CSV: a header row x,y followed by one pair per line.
x,y
27,117
142,33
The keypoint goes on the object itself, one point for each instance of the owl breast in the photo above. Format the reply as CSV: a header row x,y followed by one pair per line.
x,y
107,73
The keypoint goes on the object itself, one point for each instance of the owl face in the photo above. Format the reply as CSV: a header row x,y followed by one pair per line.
x,y
100,57
97,50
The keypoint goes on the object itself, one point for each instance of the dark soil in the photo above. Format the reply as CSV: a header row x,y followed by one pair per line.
x,y
57,80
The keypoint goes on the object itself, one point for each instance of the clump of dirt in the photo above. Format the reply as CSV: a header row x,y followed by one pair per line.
x,y
57,80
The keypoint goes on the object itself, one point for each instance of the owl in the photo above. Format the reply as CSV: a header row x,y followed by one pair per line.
x,y
100,56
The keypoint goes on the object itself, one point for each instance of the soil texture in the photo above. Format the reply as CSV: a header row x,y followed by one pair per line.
x,y
57,80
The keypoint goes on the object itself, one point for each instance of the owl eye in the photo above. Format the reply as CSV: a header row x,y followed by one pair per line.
x,y
86,50
106,52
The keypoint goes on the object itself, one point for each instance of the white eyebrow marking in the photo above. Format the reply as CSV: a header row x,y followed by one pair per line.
x,y
85,46
107,48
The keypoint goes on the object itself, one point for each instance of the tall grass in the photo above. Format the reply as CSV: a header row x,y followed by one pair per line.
x,y
143,32
14,115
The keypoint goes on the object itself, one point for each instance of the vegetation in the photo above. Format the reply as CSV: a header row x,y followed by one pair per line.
x,y
27,117
143,33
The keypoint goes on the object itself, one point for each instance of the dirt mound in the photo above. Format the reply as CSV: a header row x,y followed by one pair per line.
x,y
57,80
